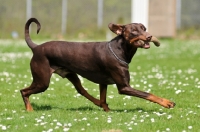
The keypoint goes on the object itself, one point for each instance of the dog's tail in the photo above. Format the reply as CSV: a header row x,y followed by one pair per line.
x,y
27,36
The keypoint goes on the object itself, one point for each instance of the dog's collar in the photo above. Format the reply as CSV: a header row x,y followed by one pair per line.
x,y
110,48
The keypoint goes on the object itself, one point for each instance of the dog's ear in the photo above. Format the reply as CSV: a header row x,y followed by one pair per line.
x,y
116,28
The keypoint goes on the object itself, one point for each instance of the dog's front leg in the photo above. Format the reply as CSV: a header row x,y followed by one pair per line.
x,y
148,96
103,91
121,77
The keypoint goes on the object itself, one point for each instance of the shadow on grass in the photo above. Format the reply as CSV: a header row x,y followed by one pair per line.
x,y
111,110
41,107
87,108
49,107
132,110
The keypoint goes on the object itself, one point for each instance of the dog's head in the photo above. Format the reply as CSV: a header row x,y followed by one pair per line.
x,y
135,34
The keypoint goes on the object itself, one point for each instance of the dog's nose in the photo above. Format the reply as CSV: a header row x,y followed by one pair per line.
x,y
148,37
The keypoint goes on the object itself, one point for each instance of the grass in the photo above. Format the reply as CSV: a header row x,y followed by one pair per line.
x,y
170,71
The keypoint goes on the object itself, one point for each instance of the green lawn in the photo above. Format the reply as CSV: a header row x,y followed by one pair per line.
x,y
171,71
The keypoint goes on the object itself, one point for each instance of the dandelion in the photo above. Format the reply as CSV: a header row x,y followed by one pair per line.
x,y
169,116
190,112
59,124
137,85
147,115
88,124
159,114
50,130
39,120
36,124
3,128
110,96
14,111
139,111
152,120
69,124
84,119
43,123
127,97
178,91
57,127
135,124
150,85
109,120
66,129
189,127
148,90
9,118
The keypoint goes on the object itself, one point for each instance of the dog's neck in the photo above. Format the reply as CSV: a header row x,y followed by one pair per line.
x,y
122,49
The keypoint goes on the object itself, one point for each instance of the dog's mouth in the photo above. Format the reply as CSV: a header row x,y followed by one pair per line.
x,y
143,44
146,44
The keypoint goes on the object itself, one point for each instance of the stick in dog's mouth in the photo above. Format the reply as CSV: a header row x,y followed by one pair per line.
x,y
155,41
145,44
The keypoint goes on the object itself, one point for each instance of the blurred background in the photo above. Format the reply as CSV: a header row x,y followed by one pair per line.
x,y
88,19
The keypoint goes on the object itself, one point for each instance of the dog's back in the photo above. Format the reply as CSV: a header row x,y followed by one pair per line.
x,y
85,59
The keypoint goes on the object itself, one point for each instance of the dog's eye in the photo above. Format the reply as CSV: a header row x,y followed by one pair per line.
x,y
143,28
133,34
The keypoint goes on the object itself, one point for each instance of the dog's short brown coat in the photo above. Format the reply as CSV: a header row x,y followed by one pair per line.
x,y
101,62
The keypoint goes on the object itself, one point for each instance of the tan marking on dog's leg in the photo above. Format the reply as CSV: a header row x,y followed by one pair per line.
x,y
161,101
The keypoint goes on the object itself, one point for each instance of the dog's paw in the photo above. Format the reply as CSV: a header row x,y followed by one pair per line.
x,y
167,104
105,107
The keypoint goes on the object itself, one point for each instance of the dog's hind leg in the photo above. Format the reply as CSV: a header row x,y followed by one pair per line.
x,y
73,78
41,74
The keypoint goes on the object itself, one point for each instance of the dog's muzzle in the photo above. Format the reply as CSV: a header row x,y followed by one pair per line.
x,y
145,44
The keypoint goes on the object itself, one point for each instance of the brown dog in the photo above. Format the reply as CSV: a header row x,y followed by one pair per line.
x,y
101,62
